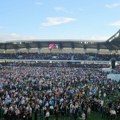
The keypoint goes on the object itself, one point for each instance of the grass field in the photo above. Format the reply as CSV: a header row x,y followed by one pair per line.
x,y
93,116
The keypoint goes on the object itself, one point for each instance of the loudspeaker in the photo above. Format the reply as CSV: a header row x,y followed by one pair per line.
x,y
113,64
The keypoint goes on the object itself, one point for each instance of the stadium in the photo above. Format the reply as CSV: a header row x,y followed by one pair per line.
x,y
59,60
60,79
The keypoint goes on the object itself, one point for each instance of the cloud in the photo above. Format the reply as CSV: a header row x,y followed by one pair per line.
x,y
113,5
99,38
116,24
14,37
52,21
38,3
61,9
95,38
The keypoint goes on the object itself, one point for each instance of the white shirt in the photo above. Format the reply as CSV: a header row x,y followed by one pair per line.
x,y
47,114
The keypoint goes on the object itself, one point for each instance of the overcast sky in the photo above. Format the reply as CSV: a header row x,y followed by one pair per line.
x,y
59,19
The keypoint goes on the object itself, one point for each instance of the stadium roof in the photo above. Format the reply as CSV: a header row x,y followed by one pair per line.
x,y
113,43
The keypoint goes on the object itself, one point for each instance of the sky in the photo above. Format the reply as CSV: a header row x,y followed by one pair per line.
x,y
58,19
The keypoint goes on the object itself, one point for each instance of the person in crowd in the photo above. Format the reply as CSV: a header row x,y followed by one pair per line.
x,y
47,115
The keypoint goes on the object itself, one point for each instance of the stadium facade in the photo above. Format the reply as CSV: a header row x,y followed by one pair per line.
x,y
112,45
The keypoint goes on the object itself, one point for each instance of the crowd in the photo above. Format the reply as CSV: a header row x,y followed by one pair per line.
x,y
59,56
67,91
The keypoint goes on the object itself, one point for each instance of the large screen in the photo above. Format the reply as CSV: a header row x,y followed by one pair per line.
x,y
53,46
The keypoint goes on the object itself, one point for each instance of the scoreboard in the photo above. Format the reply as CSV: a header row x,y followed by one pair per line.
x,y
53,46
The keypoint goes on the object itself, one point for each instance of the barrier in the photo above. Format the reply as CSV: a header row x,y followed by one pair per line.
x,y
34,60
114,77
106,69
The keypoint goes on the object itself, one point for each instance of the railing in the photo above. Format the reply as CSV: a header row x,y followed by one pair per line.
x,y
74,61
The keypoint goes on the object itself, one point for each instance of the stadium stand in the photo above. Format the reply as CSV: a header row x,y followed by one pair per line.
x,y
58,85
